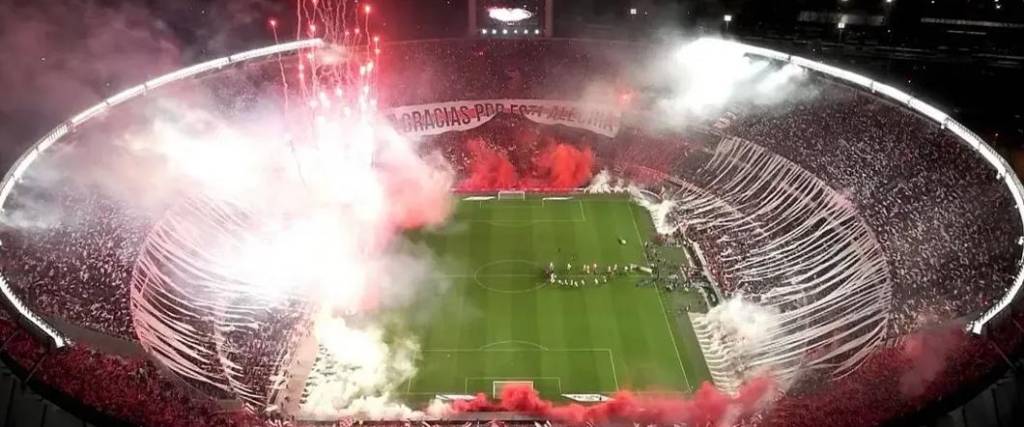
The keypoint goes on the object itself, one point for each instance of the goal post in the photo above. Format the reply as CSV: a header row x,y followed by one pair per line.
x,y
498,386
512,195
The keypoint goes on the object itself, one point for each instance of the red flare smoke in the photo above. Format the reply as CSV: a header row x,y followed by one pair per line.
x,y
707,406
562,166
558,166
930,351
488,168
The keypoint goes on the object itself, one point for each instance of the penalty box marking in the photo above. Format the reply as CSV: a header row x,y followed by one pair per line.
x,y
524,222
465,387
608,351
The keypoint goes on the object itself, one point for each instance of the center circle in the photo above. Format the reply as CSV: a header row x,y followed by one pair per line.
x,y
511,276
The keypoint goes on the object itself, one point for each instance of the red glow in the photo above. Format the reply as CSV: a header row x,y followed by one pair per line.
x,y
366,8
556,166
626,98
489,169
706,407
273,22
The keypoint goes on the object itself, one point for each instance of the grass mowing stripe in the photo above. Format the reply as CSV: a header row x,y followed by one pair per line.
x,y
697,368
616,319
480,240
605,325
523,307
646,342
498,315
691,349
551,307
576,307
613,299
668,324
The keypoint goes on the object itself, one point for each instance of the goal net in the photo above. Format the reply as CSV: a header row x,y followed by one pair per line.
x,y
498,386
511,195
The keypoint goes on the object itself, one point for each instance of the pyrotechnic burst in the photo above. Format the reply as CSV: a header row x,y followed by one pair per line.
x,y
283,248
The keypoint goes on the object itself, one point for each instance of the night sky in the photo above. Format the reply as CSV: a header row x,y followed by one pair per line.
x,y
63,55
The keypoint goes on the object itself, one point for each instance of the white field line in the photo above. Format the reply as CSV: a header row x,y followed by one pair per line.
x,y
664,313
465,389
524,222
541,349
615,375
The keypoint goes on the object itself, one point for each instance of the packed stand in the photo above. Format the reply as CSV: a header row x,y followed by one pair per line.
x,y
132,390
947,225
903,378
76,265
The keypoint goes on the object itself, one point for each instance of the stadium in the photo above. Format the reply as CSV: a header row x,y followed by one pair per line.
x,y
527,230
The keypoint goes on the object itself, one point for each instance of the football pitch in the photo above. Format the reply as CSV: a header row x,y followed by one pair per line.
x,y
500,319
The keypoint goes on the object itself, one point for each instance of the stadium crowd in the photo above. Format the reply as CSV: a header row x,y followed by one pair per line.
x,y
132,390
908,375
919,189
76,265
943,219
904,376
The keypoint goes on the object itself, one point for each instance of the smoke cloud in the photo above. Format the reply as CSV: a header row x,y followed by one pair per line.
x,y
659,209
61,56
328,220
707,406
745,323
285,213
332,209
699,79
555,166
929,352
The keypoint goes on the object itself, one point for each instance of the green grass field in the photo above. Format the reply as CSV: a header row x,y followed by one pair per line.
x,y
500,319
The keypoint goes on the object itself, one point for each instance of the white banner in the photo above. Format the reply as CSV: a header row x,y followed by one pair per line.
x,y
587,397
438,118
450,397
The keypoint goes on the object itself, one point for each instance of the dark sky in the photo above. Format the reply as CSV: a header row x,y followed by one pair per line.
x,y
63,55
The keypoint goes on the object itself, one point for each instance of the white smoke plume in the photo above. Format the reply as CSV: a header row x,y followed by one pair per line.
x,y
316,216
737,330
658,208
699,78
324,209
930,351
323,222
687,80
374,368
744,323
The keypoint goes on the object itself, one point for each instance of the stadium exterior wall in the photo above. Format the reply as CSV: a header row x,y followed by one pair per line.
x,y
1002,168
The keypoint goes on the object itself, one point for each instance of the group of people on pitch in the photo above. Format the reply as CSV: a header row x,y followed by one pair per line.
x,y
589,274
